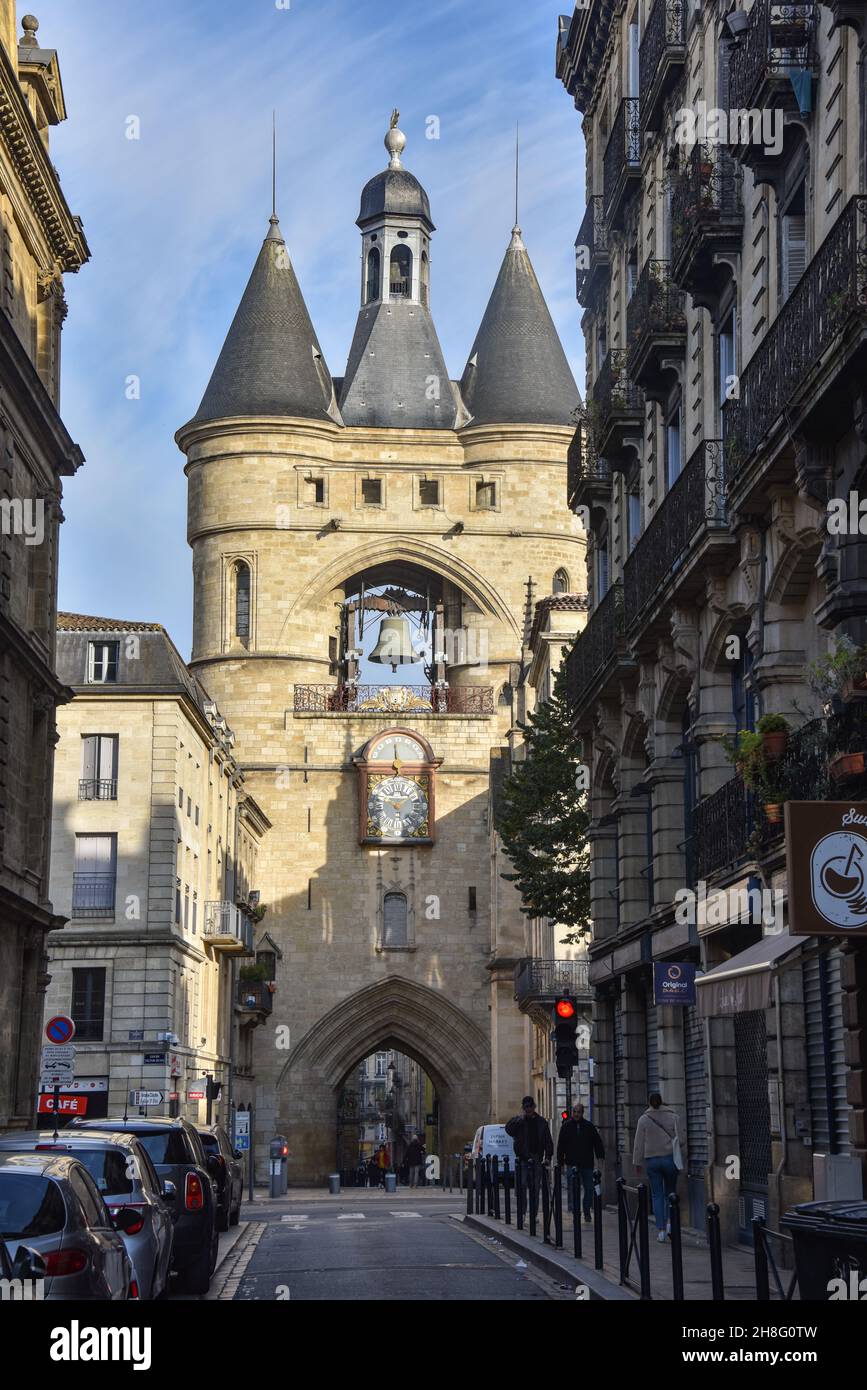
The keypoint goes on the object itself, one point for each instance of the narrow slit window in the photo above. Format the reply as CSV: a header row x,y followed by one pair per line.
x,y
242,600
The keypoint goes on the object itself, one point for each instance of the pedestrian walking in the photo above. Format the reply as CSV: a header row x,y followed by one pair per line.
x,y
578,1144
657,1143
382,1163
372,1171
530,1134
414,1157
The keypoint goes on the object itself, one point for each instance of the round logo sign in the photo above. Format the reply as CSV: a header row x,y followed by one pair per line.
x,y
60,1029
838,879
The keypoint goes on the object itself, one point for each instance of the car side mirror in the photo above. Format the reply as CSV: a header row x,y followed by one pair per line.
x,y
28,1264
168,1189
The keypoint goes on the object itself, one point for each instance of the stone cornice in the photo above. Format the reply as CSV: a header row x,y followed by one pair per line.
x,y
63,230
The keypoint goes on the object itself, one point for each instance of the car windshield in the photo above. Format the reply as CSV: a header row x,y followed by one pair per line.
x,y
166,1146
30,1205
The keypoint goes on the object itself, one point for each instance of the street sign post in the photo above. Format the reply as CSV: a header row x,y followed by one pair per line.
x,y
58,1066
145,1098
242,1130
60,1029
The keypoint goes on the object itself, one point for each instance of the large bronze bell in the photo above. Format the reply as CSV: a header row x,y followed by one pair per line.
x,y
394,644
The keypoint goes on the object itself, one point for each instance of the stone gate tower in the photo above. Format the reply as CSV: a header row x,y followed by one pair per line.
x,y
392,503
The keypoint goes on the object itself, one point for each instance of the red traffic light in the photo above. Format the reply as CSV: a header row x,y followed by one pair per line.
x,y
565,1008
564,1114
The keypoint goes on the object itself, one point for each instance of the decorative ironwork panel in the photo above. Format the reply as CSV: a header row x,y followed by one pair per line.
x,y
780,40
393,699
614,394
583,464
591,247
709,189
545,979
623,151
657,306
666,28
595,647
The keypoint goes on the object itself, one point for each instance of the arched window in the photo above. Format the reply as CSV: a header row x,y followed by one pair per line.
x,y
561,583
425,278
394,920
242,599
372,291
400,273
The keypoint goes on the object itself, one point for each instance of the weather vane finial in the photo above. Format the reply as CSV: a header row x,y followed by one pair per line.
x,y
395,141
395,117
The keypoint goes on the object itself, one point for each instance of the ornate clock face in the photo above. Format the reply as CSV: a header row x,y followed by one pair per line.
x,y
399,747
397,808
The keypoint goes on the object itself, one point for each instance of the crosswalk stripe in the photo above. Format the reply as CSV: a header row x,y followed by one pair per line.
x,y
416,1214
352,1216
294,1218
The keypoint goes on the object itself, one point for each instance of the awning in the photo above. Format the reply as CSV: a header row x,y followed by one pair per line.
x,y
743,983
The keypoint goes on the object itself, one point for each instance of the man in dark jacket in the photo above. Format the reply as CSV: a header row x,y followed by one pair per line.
x,y
531,1135
578,1144
414,1159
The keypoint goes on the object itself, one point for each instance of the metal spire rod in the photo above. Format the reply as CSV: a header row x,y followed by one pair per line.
x,y
517,137
273,163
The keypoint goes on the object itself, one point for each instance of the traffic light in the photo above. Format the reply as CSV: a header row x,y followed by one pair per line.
x,y
213,1089
564,1114
565,1031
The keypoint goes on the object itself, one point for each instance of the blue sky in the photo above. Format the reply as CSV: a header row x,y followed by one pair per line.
x,y
175,219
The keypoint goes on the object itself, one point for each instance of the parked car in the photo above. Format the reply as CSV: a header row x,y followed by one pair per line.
x,y
176,1152
227,1170
125,1177
55,1226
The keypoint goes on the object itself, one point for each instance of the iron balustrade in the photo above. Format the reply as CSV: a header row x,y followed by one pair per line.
x,y
664,41
255,994
399,289
537,980
595,648
831,293
694,504
779,41
708,190
393,699
615,396
622,153
591,246
93,895
657,308
97,789
226,920
583,465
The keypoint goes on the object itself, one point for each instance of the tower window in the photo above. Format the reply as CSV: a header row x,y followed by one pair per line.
x,y
429,492
373,265
486,496
394,920
471,899
371,492
242,600
425,277
400,273
561,583
316,492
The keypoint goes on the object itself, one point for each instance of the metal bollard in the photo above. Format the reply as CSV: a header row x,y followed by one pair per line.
x,y
519,1192
575,1189
507,1194
714,1240
546,1205
558,1208
676,1247
480,1189
495,1179
598,1253
470,1188
644,1239
622,1228
760,1254
489,1179
533,1194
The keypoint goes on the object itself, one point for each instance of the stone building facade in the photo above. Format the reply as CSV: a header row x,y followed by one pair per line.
x,y
393,493
721,270
155,845
40,240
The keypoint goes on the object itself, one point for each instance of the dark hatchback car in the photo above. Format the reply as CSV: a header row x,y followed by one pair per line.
x,y
176,1152
227,1171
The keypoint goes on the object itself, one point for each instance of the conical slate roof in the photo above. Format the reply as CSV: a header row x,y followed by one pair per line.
x,y
270,363
396,374
517,371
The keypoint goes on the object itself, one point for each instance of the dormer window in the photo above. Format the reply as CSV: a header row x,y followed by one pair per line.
x,y
373,268
400,273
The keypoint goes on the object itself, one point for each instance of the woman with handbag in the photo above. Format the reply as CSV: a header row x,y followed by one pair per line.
x,y
657,1143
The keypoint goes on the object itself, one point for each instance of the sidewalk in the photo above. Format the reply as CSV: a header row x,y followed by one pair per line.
x,y
738,1268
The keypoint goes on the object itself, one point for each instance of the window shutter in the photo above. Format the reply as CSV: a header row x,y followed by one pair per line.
x,y
394,925
89,746
108,757
794,250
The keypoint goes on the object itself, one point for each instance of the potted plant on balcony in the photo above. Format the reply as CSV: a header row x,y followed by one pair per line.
x,y
759,774
774,730
840,674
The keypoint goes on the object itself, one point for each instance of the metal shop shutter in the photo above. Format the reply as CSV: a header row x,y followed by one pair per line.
x,y
651,1043
619,1081
826,1056
695,1074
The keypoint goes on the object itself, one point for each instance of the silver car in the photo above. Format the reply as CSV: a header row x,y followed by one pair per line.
x,y
122,1170
51,1209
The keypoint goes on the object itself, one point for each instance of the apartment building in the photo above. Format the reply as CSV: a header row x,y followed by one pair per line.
x,y
154,863
722,272
40,241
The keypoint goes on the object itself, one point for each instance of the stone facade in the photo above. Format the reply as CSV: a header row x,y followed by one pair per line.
x,y
147,964
40,239
723,290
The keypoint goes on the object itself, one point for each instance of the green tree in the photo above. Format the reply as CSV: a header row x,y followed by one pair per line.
x,y
542,819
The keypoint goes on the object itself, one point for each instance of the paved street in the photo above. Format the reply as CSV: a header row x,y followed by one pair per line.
x,y
368,1246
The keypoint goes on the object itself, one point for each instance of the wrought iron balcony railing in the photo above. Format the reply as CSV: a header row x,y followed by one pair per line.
x,y
540,981
587,475
255,995
693,505
706,209
830,296
591,249
93,895
97,789
779,43
622,160
618,405
595,648
393,699
661,57
228,927
656,314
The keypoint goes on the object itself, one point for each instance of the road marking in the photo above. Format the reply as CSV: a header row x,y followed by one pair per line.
x,y
399,1214
353,1216
294,1218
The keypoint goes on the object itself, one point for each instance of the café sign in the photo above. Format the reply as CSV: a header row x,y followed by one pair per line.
x,y
826,864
